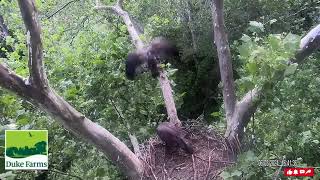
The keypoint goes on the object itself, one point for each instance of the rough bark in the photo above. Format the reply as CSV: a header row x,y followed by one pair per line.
x,y
225,64
167,93
134,34
38,91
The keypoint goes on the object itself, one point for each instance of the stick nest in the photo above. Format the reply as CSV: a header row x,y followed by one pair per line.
x,y
211,156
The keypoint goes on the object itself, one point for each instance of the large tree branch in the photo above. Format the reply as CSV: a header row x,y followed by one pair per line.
x,y
249,103
226,72
41,95
134,34
37,75
167,93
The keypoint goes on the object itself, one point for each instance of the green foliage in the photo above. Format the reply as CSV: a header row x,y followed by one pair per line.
x,y
247,166
262,57
287,124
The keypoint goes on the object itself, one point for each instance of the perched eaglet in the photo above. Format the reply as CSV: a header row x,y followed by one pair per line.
x,y
149,58
171,135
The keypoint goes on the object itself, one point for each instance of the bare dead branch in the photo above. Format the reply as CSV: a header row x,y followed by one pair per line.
x,y
221,41
38,77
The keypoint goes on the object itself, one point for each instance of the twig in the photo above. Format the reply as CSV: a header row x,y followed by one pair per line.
x,y
209,164
132,137
214,161
165,171
219,172
63,173
60,9
278,171
194,168
154,176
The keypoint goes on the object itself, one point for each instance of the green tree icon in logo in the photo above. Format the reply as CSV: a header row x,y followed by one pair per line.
x,y
21,144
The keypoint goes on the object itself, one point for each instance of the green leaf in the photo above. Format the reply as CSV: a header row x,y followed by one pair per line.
x,y
291,69
250,156
225,175
245,38
256,26
236,173
22,120
8,175
274,41
101,172
272,21
291,43
252,67
216,114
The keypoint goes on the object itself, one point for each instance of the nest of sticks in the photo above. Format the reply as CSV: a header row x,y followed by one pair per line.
x,y
211,156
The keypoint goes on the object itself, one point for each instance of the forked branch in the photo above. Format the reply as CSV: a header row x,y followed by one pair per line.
x,y
239,113
37,91
38,77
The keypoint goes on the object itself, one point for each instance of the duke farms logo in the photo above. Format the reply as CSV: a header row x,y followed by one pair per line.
x,y
26,149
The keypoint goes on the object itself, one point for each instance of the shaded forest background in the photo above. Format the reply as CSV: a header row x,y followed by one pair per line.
x,y
84,57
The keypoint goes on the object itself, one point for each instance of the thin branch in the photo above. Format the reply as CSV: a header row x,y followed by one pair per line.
x,y
191,27
63,173
4,32
276,174
132,137
60,9
37,74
